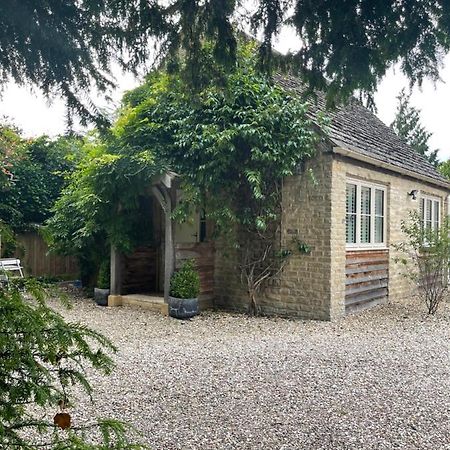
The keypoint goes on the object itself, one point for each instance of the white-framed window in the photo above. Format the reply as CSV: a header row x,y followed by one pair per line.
x,y
365,224
430,212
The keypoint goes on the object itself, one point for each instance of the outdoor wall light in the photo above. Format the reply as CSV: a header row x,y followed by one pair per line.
x,y
413,194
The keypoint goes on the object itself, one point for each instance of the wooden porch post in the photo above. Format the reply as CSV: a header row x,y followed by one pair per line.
x,y
115,272
163,196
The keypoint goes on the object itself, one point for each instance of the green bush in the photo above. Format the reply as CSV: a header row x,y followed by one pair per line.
x,y
103,280
185,282
425,258
8,242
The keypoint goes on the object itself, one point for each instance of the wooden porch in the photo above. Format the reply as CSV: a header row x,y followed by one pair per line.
x,y
142,278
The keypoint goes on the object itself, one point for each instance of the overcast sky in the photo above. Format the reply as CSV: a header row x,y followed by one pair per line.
x,y
35,115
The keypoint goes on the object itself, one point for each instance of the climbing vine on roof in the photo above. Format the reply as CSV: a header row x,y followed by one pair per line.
x,y
232,144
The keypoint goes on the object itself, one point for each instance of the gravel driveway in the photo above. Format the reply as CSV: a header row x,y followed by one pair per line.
x,y
377,380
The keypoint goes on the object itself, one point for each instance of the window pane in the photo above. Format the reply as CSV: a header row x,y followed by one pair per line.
x,y
365,230
351,198
350,228
379,202
422,209
379,231
365,200
436,215
428,214
428,210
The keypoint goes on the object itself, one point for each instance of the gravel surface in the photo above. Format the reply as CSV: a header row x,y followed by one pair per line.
x,y
377,380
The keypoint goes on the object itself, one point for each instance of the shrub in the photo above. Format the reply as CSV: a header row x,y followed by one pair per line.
x,y
8,242
185,283
426,254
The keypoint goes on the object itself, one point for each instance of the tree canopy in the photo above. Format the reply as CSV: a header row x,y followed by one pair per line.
x,y
34,175
444,168
65,47
407,124
231,145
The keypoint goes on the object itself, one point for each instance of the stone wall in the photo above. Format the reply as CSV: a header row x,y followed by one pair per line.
x,y
304,288
399,205
312,286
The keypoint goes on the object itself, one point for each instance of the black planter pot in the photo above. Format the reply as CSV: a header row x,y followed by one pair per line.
x,y
101,296
183,308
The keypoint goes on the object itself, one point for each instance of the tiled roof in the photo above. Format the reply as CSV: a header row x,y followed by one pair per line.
x,y
355,128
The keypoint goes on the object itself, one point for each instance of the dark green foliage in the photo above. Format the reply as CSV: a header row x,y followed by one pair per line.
x,y
103,280
407,125
10,141
8,240
185,282
232,145
41,358
37,168
101,204
64,47
444,168
353,43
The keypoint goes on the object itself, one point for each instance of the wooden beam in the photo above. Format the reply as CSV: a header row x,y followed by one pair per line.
x,y
162,194
115,272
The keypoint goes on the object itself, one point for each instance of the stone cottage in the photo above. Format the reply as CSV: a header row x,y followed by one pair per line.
x,y
367,182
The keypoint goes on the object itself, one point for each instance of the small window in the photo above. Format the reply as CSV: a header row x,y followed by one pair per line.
x,y
430,212
365,214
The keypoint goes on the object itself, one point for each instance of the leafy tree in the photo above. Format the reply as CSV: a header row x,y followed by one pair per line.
x,y
425,256
36,171
64,47
42,359
444,168
232,146
407,125
8,240
10,140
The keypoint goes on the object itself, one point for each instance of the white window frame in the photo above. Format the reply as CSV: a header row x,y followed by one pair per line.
x,y
368,245
434,199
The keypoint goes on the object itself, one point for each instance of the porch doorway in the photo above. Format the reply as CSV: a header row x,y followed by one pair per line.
x,y
141,268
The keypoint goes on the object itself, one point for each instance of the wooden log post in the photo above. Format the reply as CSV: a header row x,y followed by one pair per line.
x,y
115,272
162,194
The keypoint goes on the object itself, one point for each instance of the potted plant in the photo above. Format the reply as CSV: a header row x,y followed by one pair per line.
x,y
184,290
101,292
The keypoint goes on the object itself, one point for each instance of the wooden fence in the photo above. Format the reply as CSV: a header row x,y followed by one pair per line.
x,y
37,261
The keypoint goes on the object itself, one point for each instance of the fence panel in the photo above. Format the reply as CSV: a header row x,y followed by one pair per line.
x,y
37,261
